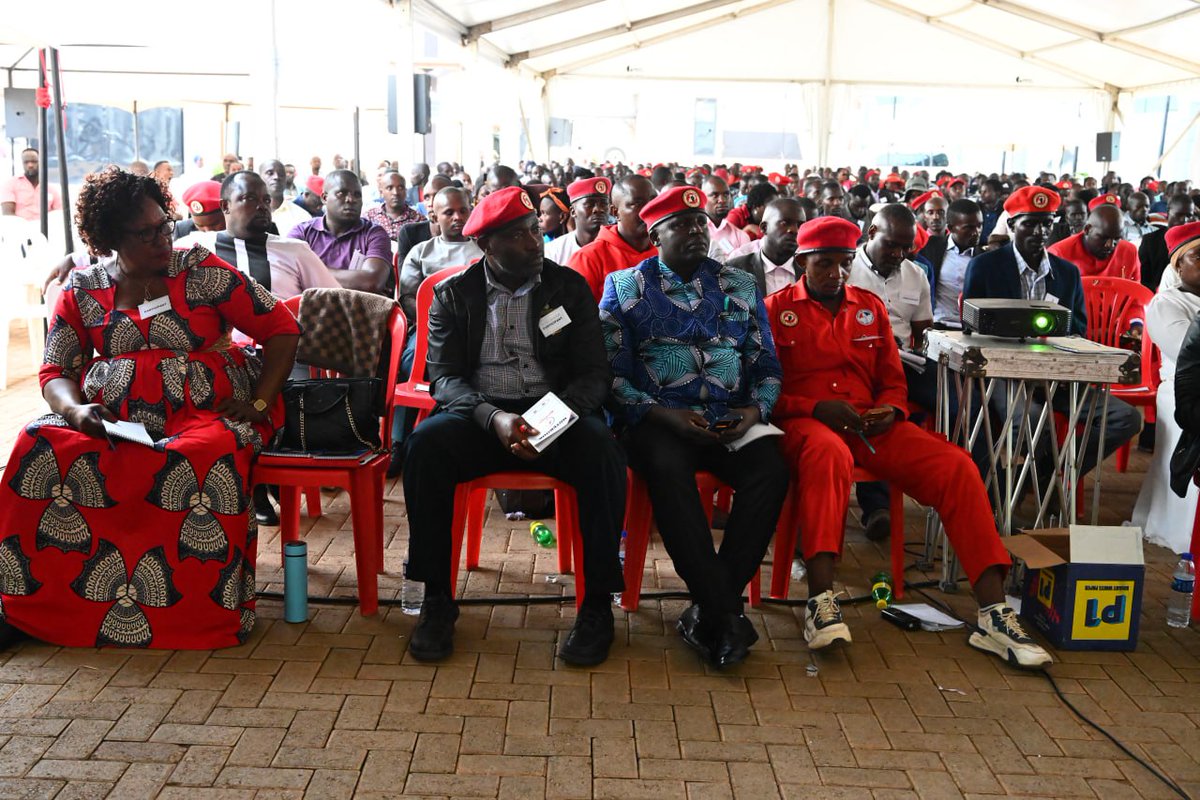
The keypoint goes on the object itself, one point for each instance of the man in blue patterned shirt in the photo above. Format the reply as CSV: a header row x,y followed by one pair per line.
x,y
694,370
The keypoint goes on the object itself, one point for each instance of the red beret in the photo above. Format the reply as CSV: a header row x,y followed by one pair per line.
x,y
1182,234
676,200
920,239
922,199
589,187
1064,184
1105,200
871,172
1032,200
779,180
315,184
827,233
497,210
1152,186
893,178
203,197
645,173
721,173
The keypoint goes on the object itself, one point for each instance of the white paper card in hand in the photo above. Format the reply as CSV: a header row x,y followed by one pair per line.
x,y
129,431
756,431
549,416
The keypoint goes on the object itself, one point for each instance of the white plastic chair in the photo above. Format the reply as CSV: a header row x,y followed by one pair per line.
x,y
25,260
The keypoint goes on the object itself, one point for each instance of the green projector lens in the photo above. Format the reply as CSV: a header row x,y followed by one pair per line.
x,y
1043,323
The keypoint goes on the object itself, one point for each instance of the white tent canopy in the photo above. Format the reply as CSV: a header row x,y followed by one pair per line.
x,y
990,83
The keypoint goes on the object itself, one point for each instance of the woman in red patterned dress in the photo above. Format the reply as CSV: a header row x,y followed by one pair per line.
x,y
109,542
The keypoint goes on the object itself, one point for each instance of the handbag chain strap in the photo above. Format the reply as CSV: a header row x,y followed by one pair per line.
x,y
349,418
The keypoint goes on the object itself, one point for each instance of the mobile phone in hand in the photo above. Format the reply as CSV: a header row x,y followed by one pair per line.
x,y
724,424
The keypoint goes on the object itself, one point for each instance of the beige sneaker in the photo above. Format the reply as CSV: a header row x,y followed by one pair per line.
x,y
1002,635
823,624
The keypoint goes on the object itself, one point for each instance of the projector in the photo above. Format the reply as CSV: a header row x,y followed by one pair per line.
x,y
1017,319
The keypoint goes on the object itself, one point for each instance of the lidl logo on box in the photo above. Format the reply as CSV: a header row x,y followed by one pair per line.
x,y
1102,609
1046,587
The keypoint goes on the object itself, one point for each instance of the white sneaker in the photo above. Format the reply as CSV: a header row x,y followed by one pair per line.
x,y
1002,635
823,624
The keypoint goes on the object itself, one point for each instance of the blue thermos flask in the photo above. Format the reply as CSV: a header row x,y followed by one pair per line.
x,y
295,582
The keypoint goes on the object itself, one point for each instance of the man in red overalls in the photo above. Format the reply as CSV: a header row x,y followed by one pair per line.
x,y
844,403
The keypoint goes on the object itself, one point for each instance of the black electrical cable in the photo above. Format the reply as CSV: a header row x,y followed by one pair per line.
x,y
1170,784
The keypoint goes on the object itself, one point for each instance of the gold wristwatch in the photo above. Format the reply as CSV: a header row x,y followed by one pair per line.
x,y
260,405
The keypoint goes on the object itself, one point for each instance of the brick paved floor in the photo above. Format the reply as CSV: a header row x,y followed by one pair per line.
x,y
334,708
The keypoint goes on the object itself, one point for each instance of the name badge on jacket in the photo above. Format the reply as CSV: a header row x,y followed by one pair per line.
x,y
553,321
154,307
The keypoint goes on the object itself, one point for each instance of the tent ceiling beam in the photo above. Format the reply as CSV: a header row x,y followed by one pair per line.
x,y
1145,26
991,44
1087,34
532,15
653,40
617,30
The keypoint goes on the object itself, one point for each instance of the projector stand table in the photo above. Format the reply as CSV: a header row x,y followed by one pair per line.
x,y
1025,376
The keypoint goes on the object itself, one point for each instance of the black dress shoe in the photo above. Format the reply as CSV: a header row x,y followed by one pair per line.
x,y
396,465
695,634
433,638
729,641
590,638
264,512
749,634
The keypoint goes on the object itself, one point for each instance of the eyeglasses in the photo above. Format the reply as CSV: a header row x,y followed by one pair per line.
x,y
148,235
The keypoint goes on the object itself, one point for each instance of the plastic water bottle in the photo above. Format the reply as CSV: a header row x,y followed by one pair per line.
x,y
541,534
621,549
1183,582
412,594
881,590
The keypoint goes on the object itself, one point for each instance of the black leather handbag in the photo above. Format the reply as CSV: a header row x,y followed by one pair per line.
x,y
332,415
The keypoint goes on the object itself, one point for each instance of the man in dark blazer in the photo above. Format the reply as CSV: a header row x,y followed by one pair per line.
x,y
1152,250
772,265
1023,269
502,334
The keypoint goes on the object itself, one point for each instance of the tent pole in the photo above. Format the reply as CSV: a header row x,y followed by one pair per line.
x,y
1162,141
357,143
44,155
60,132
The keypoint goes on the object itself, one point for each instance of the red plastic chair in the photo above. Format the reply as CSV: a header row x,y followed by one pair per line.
x,y
788,530
414,392
638,516
1195,548
396,276
469,501
1112,303
363,481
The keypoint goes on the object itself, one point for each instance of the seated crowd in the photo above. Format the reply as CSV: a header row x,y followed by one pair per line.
x,y
720,319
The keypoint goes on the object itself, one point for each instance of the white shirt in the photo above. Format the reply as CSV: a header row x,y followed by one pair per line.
x,y
950,282
778,276
1033,281
746,249
288,216
293,264
1133,232
905,292
561,249
1168,318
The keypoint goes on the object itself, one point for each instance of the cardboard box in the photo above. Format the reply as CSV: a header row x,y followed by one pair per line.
x,y
1083,584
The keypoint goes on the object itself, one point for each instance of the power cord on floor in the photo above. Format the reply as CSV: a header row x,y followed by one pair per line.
x,y
1152,769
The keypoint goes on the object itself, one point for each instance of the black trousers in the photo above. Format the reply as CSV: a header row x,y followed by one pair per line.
x,y
448,449
759,476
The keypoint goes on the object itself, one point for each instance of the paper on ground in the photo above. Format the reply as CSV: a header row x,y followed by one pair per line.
x,y
931,618
549,416
129,431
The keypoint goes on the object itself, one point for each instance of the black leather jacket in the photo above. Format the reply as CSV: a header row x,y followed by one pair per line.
x,y
574,359
1186,458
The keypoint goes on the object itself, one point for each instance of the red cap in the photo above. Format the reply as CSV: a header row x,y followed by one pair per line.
x,y
893,178
676,200
827,233
1064,184
315,184
1182,234
589,187
497,210
1152,185
779,180
1104,200
871,172
922,199
203,197
953,181
920,239
1032,200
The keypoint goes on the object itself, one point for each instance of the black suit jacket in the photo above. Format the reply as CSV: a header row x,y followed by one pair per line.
x,y
994,274
1152,253
753,264
574,359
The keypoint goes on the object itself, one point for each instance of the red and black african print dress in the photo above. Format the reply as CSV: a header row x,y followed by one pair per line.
x,y
136,546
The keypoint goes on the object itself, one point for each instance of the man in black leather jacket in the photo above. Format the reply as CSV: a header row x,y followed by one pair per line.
x,y
502,334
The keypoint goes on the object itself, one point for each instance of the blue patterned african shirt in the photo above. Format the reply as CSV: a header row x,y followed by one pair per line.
x,y
702,344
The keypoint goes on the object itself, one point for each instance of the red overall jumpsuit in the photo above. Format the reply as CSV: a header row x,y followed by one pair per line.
x,y
852,356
